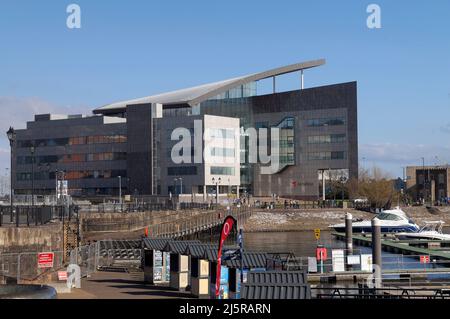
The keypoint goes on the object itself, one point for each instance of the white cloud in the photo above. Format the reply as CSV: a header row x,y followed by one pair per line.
x,y
404,154
17,111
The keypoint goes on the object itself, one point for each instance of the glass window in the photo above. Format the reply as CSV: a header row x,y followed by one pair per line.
x,y
326,155
219,170
222,152
182,170
326,122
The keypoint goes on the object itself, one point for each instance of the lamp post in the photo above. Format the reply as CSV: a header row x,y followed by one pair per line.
x,y
11,133
32,150
343,180
120,191
424,180
217,188
175,186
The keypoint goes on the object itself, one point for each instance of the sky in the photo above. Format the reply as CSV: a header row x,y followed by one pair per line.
x,y
131,49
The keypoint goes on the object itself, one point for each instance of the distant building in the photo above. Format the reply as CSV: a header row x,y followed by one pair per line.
x,y
428,182
132,139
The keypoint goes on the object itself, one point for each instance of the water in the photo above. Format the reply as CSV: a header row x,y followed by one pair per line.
x,y
303,244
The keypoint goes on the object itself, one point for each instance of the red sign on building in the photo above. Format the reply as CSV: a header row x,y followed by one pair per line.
x,y
424,259
45,260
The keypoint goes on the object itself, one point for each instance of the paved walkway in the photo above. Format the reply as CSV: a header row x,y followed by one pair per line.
x,y
119,285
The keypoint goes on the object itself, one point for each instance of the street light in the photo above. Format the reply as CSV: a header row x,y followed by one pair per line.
x,y
120,191
217,188
424,180
32,150
181,184
343,180
175,185
11,133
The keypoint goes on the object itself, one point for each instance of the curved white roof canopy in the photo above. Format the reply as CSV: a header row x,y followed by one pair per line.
x,y
198,94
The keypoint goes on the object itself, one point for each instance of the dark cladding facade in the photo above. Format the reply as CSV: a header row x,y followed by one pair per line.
x,y
322,136
91,151
318,132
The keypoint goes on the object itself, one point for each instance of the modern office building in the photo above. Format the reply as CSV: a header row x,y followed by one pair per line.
x,y
429,183
90,152
315,129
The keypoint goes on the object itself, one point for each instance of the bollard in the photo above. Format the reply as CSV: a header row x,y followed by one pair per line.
x,y
348,236
376,252
17,216
349,233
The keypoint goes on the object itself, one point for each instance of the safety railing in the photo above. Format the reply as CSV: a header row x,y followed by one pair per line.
x,y
87,257
365,292
193,224
24,267
22,215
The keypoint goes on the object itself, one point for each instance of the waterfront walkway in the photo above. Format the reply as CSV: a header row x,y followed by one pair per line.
x,y
120,285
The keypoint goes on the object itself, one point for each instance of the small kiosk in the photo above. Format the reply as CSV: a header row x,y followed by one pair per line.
x,y
179,263
156,261
199,267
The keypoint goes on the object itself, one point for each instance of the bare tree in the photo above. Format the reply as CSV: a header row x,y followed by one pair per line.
x,y
376,186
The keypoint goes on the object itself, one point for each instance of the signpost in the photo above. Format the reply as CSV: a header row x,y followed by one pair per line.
x,y
317,233
62,275
338,260
424,259
321,255
45,260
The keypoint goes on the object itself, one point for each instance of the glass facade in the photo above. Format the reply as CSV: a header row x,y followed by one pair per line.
x,y
79,140
223,152
318,156
72,175
219,170
72,158
236,103
182,170
287,142
326,122
327,139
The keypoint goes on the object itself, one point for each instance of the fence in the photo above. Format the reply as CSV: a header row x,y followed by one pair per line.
x,y
35,215
23,267
141,207
189,225
364,292
87,257
302,204
391,264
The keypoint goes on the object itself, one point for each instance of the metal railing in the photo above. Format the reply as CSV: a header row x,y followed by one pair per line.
x,y
23,267
364,292
35,215
87,257
189,225
141,207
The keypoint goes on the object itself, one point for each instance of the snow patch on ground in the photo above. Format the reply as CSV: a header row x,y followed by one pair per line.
x,y
285,217
269,218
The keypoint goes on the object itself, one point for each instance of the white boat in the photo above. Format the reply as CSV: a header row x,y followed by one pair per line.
x,y
391,221
431,230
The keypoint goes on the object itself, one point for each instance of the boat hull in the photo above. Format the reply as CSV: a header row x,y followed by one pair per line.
x,y
384,229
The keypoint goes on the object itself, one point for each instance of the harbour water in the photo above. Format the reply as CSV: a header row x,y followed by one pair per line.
x,y
303,244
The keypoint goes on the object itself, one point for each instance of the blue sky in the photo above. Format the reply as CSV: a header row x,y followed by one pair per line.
x,y
129,49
